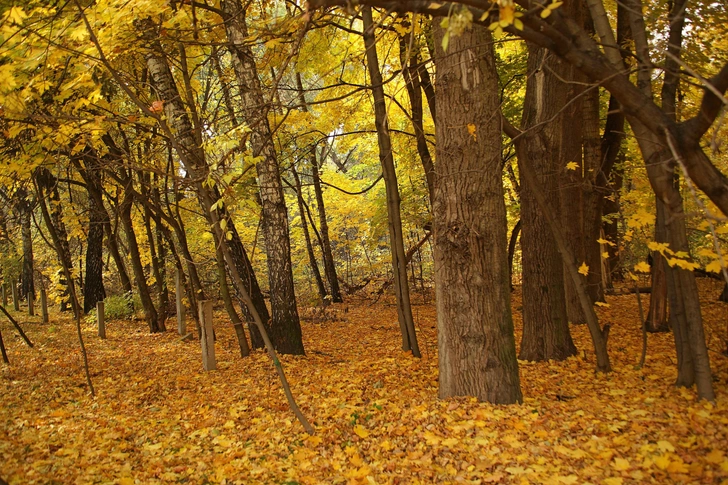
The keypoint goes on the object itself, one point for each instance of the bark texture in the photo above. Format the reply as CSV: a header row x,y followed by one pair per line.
x,y
285,326
475,327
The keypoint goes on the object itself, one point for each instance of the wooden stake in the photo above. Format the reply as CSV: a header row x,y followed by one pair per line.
x,y
43,303
181,323
208,339
100,318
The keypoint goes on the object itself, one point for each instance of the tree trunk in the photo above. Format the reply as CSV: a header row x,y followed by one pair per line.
x,y
227,300
150,312
27,287
93,290
386,158
512,241
546,333
409,59
309,247
657,316
477,351
285,325
323,235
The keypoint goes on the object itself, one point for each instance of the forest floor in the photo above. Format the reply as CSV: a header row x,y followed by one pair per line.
x,y
158,418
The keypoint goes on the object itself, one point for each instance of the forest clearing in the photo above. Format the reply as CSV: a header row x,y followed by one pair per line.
x,y
158,418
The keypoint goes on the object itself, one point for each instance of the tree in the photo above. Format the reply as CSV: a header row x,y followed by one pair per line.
x,y
475,328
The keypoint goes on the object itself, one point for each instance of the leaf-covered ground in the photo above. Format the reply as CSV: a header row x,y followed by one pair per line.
x,y
158,418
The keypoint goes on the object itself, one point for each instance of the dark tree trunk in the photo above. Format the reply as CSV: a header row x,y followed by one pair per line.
x,y
93,290
285,327
24,208
475,328
228,302
512,241
657,316
323,235
409,59
150,312
307,236
386,158
545,325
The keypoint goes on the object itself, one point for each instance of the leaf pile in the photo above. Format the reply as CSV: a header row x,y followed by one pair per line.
x,y
158,418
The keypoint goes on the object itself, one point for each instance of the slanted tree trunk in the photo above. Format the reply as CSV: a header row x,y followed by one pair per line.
x,y
125,207
477,350
228,302
409,59
386,158
545,325
285,326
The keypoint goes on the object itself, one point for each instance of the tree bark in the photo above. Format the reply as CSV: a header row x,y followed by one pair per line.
x,y
93,290
546,333
477,351
285,326
386,158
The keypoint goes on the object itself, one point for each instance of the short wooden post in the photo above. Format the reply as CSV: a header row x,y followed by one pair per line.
x,y
16,303
43,303
181,323
5,294
208,339
31,304
100,318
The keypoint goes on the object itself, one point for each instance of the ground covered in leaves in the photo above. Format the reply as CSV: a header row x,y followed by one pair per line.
x,y
158,418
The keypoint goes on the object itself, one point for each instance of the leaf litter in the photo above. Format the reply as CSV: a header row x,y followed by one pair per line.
x,y
159,419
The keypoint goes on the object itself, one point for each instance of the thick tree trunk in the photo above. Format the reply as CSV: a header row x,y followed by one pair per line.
x,y
477,351
657,316
285,331
545,325
386,158
93,290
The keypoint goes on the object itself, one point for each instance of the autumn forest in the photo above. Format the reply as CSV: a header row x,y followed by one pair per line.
x,y
363,242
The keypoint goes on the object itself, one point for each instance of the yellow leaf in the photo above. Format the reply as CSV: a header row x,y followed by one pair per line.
x,y
715,457
571,165
620,464
642,267
584,269
471,131
314,440
601,240
605,255
545,13
662,462
569,480
678,467
613,481
360,431
714,267
601,304
126,481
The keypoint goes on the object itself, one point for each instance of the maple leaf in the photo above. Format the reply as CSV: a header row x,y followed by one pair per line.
x,y
361,431
572,166
584,269
157,107
642,267
471,131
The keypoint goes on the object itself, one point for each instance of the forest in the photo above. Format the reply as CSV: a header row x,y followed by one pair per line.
x,y
363,242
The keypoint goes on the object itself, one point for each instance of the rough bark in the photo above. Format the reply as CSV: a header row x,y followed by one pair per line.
x,y
94,290
477,352
545,325
285,327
